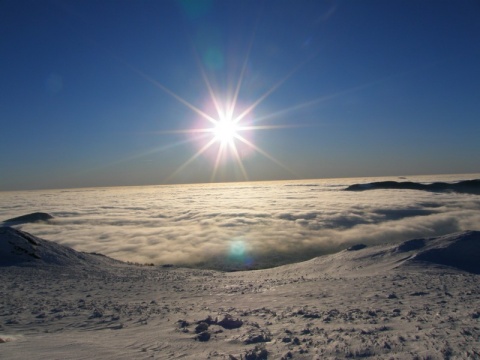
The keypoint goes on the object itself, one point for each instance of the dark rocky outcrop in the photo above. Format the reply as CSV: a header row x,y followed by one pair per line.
x,y
257,336
201,327
203,336
29,218
228,322
357,247
466,186
258,353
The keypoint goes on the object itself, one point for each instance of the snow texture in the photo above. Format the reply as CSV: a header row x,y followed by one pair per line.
x,y
416,299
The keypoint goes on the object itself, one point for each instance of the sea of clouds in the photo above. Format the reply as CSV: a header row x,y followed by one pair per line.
x,y
240,225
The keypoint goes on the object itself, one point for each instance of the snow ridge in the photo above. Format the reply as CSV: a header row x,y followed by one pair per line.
x,y
21,248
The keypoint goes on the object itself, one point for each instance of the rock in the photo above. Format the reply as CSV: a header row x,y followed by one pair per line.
x,y
311,315
257,337
203,336
201,327
357,247
228,322
209,320
183,323
97,313
259,353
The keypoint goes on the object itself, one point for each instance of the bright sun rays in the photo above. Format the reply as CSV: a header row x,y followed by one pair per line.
x,y
224,130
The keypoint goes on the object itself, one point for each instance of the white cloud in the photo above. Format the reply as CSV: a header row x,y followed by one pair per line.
x,y
261,223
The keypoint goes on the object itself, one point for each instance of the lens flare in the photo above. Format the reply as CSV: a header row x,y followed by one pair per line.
x,y
239,254
237,249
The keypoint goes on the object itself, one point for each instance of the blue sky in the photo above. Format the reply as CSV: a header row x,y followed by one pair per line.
x,y
103,93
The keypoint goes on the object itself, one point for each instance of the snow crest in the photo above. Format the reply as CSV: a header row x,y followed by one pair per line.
x,y
19,247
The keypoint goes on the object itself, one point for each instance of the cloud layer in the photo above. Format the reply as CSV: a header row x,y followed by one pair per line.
x,y
239,225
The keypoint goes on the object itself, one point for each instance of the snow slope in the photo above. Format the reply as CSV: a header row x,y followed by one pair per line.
x,y
19,247
408,300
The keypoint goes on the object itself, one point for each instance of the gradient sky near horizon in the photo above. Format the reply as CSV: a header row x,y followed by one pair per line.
x,y
105,93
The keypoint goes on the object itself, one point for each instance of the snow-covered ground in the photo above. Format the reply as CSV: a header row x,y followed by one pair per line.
x,y
391,301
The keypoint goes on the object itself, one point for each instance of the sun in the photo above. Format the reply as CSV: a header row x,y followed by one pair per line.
x,y
227,122
225,131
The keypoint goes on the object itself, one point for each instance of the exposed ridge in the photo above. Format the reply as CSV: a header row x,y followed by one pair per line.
x,y
29,218
18,247
466,186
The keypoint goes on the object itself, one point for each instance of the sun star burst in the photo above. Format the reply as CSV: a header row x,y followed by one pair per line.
x,y
225,131
231,126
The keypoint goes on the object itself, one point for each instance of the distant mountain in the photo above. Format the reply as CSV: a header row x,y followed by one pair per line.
x,y
21,248
29,218
467,186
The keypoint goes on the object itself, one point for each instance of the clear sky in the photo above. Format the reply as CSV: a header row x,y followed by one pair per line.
x,y
101,93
